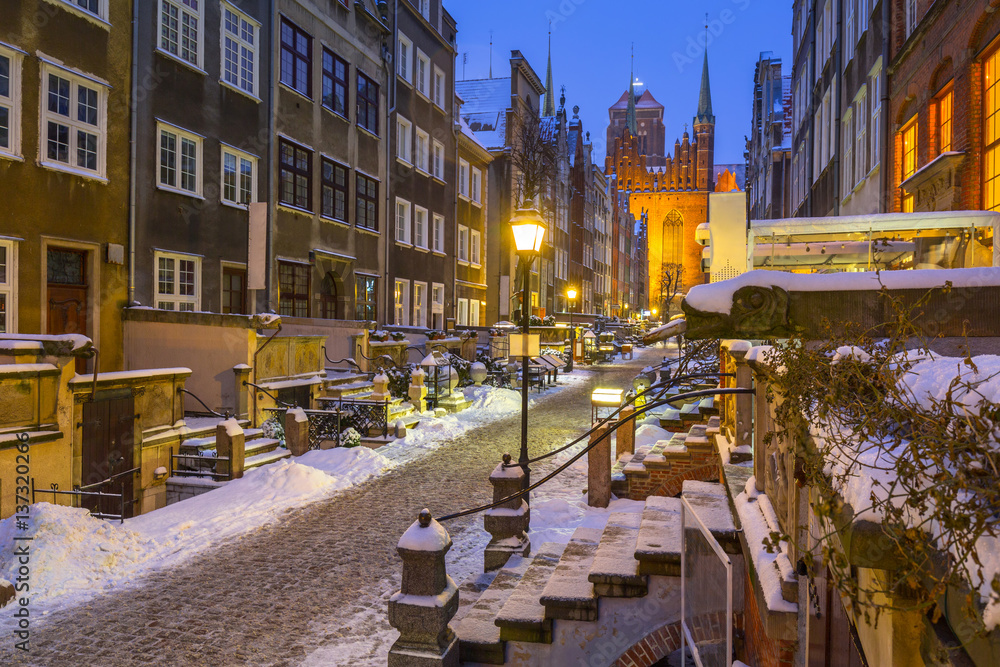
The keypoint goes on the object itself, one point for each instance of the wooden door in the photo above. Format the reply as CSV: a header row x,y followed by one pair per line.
x,y
234,292
67,294
107,453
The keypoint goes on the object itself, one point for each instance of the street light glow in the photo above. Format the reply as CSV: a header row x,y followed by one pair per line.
x,y
528,228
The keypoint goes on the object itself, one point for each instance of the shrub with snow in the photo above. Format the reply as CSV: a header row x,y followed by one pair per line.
x,y
350,438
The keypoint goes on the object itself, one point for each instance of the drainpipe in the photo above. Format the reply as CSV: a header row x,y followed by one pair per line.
x,y
272,132
812,108
133,143
838,49
885,175
390,68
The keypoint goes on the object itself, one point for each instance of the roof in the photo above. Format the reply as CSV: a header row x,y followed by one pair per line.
x,y
485,109
644,101
876,222
467,132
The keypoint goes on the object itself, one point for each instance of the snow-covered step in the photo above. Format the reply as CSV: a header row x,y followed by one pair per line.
x,y
615,572
477,631
671,418
711,503
335,377
690,413
522,617
350,389
635,465
569,594
658,545
707,406
264,459
260,446
713,426
195,446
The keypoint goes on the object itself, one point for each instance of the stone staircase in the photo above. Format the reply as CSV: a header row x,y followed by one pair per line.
x,y
349,385
599,595
259,449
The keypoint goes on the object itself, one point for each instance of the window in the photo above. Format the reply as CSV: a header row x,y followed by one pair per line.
x,y
991,133
239,50
437,305
473,312
98,8
425,8
463,313
180,29
334,180
861,137
875,79
910,10
365,297
180,160
402,221
945,110
404,65
439,86
423,74
401,300
437,233
404,139
296,58
294,175
73,122
178,281
334,83
438,160
367,104
849,38
477,185
909,142
474,239
10,102
293,284
8,287
234,282
463,243
463,178
366,206
419,304
239,177
423,150
420,227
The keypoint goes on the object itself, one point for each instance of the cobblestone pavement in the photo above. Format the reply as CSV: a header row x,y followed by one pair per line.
x,y
299,586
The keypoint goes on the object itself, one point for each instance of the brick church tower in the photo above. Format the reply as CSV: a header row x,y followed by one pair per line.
x,y
704,133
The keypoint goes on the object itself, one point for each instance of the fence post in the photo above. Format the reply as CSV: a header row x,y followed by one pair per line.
x,y
241,392
296,431
230,442
599,468
744,402
426,601
625,432
417,391
506,523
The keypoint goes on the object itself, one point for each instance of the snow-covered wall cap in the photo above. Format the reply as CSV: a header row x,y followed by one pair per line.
x,y
232,427
58,345
266,320
760,353
737,345
381,377
850,352
503,471
425,534
298,414
718,297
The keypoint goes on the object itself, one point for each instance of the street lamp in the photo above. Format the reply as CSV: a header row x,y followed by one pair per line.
x,y
571,295
529,230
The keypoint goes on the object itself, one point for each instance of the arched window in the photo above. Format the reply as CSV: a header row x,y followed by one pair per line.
x,y
330,307
673,238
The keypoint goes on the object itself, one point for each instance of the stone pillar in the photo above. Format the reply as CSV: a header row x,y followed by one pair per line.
x,y
625,432
744,402
506,523
599,469
380,390
426,601
417,391
241,392
231,442
296,431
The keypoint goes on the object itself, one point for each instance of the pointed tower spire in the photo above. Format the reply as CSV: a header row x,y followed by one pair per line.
x,y
549,108
705,97
491,54
630,113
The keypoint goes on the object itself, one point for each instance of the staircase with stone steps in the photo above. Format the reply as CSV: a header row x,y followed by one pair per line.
x,y
346,384
258,449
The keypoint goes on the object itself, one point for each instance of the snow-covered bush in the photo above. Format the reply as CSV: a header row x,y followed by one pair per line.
x,y
399,379
350,437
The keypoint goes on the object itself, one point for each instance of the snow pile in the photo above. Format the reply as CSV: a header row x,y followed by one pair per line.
x,y
759,521
931,377
347,466
650,433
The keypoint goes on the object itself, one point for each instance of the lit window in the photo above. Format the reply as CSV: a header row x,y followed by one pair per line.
x,y
945,110
73,123
401,301
909,142
419,304
463,313
463,243
180,160
474,247
365,297
239,177
438,160
402,221
437,234
420,227
181,29
8,287
10,102
991,133
474,312
437,305
178,281
239,49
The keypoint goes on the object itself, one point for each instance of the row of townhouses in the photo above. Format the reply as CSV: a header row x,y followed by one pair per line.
x,y
311,157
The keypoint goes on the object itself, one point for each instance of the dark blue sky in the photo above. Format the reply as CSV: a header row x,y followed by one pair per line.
x,y
591,40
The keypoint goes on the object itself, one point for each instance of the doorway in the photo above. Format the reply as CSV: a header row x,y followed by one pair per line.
x,y
66,270
106,466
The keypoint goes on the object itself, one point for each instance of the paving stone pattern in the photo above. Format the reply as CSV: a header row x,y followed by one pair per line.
x,y
278,594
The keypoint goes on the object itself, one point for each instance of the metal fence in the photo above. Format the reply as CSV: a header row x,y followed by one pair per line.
x,y
196,465
706,594
104,503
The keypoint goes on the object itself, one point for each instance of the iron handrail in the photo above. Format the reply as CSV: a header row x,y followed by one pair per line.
x,y
576,457
210,410
276,399
109,479
338,361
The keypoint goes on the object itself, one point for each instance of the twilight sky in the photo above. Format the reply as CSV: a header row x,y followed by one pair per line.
x,y
591,40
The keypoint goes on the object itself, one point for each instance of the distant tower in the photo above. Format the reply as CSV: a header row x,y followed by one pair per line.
x,y
630,114
549,107
704,134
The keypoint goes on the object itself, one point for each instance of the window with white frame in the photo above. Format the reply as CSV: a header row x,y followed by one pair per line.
x,y
462,316
423,151
98,8
239,177
404,65
419,304
425,8
910,7
180,29
474,240
463,243
8,287
437,233
477,185
861,136
10,101
401,301
74,122
239,49
849,39
463,178
178,281
420,226
402,221
875,83
473,312
437,305
404,139
438,160
423,74
180,160
439,86
847,183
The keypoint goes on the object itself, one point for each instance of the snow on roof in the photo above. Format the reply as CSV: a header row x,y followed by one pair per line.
x,y
718,297
467,131
880,222
485,109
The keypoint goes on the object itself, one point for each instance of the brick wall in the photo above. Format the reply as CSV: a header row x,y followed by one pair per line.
x,y
665,640
700,462
762,651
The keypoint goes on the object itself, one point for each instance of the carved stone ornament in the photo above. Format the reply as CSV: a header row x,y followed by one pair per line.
x,y
757,312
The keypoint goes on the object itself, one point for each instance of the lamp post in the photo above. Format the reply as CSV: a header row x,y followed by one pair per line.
x,y
571,295
529,230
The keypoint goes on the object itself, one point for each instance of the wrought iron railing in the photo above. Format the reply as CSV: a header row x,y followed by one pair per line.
x,y
323,425
348,360
102,499
204,466
182,390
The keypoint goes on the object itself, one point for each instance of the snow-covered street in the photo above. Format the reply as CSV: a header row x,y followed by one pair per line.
x,y
304,551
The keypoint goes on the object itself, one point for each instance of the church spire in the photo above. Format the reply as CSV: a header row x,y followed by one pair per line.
x,y
705,97
549,108
630,114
